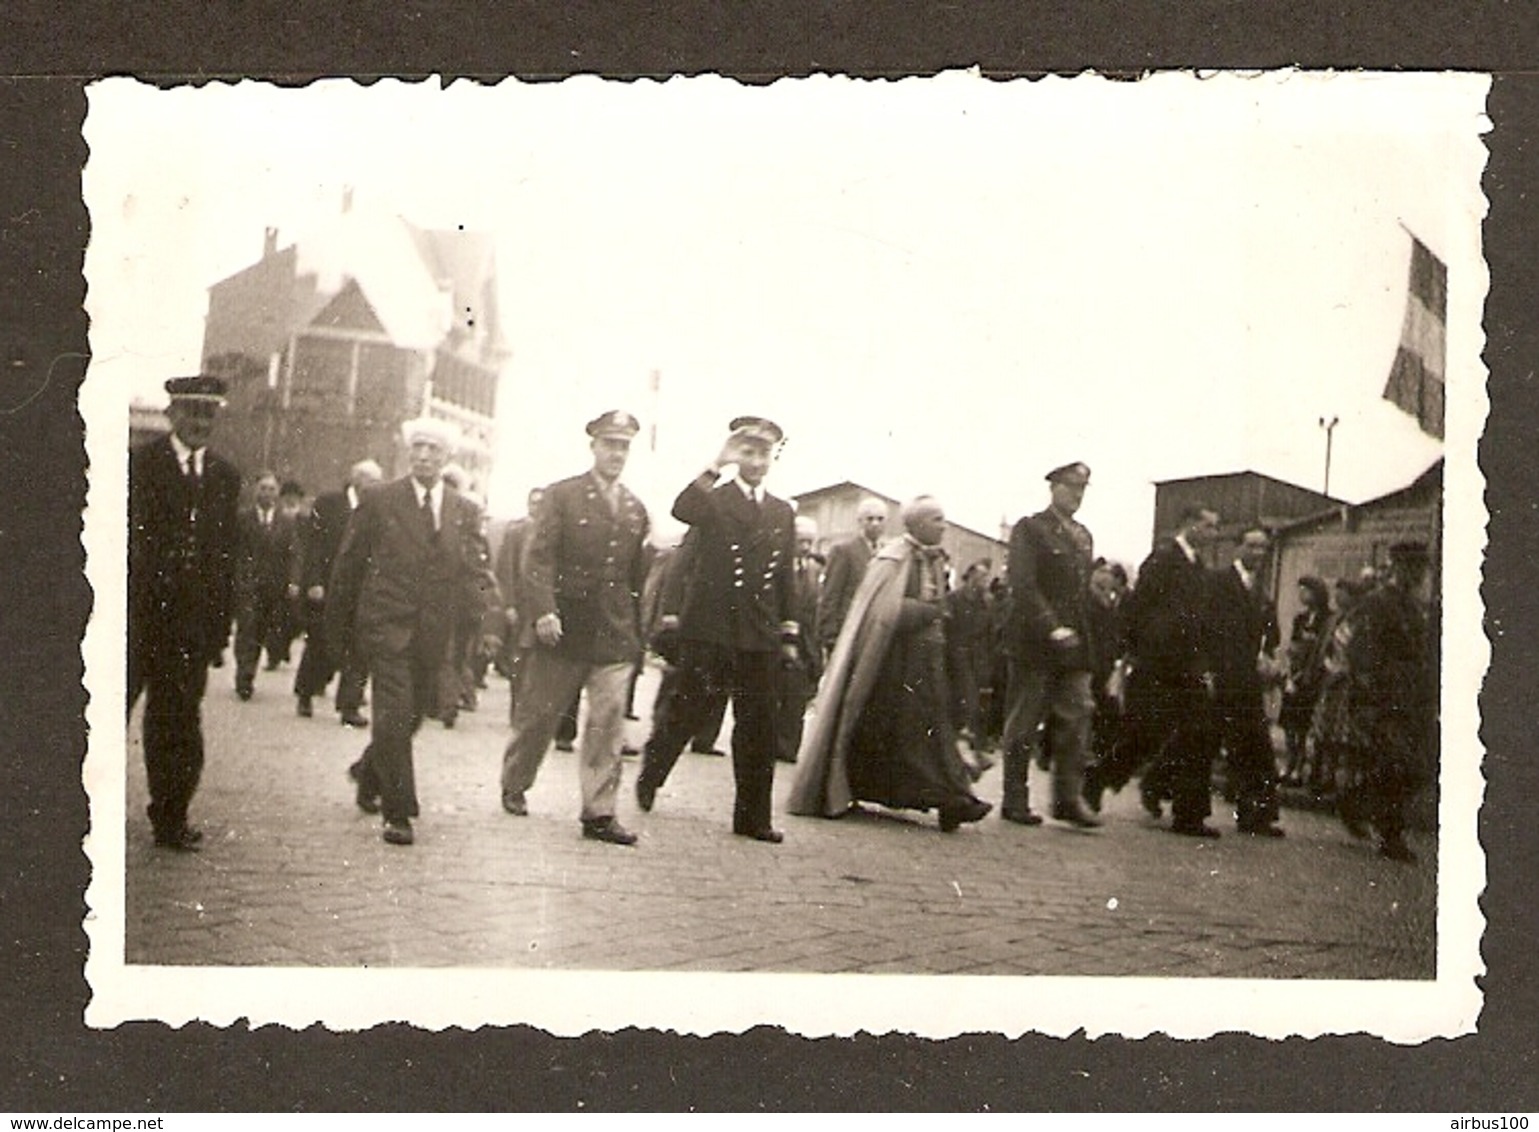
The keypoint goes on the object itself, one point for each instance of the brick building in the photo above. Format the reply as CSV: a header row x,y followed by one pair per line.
x,y
331,343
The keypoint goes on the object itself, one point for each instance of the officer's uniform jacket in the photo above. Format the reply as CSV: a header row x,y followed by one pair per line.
x,y
1049,576
741,591
587,563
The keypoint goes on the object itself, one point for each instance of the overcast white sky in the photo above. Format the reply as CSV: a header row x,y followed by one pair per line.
x,y
946,285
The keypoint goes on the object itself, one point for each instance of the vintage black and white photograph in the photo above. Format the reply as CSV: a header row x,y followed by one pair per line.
x,y
929,556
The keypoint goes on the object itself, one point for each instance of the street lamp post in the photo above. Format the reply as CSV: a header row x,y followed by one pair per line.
x,y
1329,426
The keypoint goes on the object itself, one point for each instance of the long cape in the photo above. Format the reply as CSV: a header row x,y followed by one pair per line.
x,y
822,786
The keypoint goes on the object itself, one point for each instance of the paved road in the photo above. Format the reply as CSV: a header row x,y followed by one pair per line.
x,y
293,874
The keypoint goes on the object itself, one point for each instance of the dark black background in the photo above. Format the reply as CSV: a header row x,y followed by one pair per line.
x,y
49,1061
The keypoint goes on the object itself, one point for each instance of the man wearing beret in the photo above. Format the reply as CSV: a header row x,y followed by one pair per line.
x,y
412,560
1049,574
582,572
737,626
182,502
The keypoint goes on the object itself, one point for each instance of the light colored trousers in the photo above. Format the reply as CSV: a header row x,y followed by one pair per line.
x,y
545,688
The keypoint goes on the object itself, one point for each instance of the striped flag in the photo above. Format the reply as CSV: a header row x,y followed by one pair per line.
x,y
1416,379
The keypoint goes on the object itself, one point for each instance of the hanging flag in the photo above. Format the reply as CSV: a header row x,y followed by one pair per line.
x,y
1416,379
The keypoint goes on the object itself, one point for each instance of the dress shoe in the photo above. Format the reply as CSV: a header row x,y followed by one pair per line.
x,y
1152,802
564,745
632,716
270,666
1395,848
398,832
515,805
1021,817
303,707
353,719
646,796
1261,829
607,830
448,722
773,836
629,750
954,815
1091,790
1075,814
714,752
243,691
1195,829
184,840
367,800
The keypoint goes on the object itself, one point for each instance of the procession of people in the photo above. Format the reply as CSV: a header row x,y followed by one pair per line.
x,y
878,672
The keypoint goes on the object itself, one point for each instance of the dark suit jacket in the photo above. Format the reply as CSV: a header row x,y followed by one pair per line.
x,y
847,563
741,592
181,551
321,537
588,564
1244,622
1168,619
396,587
265,555
1049,578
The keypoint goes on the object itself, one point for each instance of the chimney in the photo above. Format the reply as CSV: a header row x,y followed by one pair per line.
x,y
269,242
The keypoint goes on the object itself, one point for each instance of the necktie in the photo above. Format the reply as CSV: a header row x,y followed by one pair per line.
x,y
427,514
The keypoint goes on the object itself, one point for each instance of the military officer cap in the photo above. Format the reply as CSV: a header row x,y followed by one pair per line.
x,y
1076,474
432,429
615,425
757,428
199,387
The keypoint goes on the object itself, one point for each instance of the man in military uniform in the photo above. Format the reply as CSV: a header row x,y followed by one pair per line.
x,y
582,576
737,627
1050,561
182,502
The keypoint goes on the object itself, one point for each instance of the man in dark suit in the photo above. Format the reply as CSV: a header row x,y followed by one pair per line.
x,y
582,575
319,539
737,627
1049,572
412,559
182,502
1170,691
800,680
847,563
508,568
1245,638
264,564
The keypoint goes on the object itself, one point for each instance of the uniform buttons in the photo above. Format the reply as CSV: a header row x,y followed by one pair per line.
x,y
738,584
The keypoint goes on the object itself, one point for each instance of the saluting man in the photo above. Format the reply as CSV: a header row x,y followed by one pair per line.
x,y
583,571
182,501
737,627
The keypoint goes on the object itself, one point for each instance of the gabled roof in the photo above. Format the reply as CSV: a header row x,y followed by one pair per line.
x,y
1428,479
1248,473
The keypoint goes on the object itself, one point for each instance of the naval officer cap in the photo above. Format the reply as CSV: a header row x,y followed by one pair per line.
x,y
757,428
433,430
204,387
1076,474
614,425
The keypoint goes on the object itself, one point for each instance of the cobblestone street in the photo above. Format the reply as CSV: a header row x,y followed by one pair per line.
x,y
292,874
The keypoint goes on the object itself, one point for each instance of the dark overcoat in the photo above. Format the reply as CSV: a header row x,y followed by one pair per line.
x,y
1243,625
1168,621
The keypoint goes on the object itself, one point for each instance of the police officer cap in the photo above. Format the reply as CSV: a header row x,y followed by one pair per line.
x,y
199,387
432,429
758,428
615,425
1077,474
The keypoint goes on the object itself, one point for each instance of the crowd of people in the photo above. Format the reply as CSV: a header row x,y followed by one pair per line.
x,y
917,671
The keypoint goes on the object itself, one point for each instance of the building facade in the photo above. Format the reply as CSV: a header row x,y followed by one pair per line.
x,y
328,345
1242,499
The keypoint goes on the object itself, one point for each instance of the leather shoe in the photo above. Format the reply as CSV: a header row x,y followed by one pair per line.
x,y
773,836
515,805
564,745
398,833
953,816
243,691
367,800
629,750
715,752
646,795
302,706
608,830
1195,829
353,719
1075,814
1091,790
184,840
1021,817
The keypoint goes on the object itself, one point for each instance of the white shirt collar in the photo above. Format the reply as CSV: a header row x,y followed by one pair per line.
x,y
1186,548
754,494
184,453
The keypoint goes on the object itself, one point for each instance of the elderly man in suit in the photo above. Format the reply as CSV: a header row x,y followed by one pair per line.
x,y
412,559
1170,692
847,563
265,547
737,627
1245,639
182,501
582,575
320,538
1049,572
800,680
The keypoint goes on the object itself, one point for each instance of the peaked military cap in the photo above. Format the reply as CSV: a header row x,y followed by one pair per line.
x,y
615,424
199,387
1076,473
758,428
